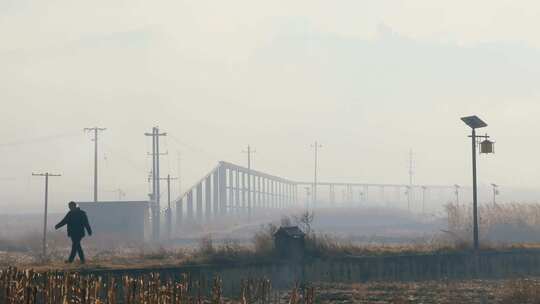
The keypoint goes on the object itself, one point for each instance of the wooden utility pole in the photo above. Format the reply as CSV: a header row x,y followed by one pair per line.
x,y
168,214
46,175
249,152
155,182
95,130
316,146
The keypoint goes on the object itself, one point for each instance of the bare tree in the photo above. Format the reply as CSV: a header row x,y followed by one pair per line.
x,y
305,220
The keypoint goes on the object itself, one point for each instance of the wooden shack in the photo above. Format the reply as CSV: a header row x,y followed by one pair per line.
x,y
289,242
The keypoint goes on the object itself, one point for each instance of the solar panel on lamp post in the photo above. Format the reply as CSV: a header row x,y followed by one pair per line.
x,y
474,123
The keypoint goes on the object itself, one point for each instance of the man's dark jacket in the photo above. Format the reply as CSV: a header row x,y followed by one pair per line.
x,y
76,221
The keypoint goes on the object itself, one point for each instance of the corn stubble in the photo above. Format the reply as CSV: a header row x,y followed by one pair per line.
x,y
53,287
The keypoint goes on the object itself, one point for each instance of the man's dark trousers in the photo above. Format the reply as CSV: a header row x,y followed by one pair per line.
x,y
76,249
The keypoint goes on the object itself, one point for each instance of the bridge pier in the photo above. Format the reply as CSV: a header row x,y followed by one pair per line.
x,y
179,213
264,195
208,197
230,191
190,205
237,191
366,193
222,190
215,192
199,202
260,193
278,194
271,194
243,192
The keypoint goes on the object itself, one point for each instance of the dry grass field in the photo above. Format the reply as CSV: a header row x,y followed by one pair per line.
x,y
521,291
27,286
520,221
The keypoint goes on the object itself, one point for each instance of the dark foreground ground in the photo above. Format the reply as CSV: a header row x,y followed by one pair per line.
x,y
519,291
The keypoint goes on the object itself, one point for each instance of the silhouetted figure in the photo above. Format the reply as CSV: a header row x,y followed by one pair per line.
x,y
76,221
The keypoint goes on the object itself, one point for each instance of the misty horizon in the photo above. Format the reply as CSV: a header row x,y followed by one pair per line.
x,y
369,81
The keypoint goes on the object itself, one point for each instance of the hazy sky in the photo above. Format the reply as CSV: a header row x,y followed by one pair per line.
x,y
368,79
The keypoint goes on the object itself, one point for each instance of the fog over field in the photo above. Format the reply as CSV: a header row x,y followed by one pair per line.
x,y
369,80
248,151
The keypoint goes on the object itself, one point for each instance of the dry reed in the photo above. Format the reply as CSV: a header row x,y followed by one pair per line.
x,y
52,287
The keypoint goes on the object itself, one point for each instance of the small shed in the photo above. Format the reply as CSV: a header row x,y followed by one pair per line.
x,y
289,242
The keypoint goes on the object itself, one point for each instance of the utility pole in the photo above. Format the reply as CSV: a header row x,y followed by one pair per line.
x,y
316,146
495,193
456,192
168,213
307,198
408,190
424,188
95,130
249,152
179,173
156,225
120,193
46,175
411,173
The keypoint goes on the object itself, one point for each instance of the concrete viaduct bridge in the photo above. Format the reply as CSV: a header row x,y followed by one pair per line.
x,y
233,191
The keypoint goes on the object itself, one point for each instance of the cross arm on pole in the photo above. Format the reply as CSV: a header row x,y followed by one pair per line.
x,y
164,153
168,178
45,174
249,150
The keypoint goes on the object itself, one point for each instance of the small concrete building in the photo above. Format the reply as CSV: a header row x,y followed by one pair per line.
x,y
120,220
289,242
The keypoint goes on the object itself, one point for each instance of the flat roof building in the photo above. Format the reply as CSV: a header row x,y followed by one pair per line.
x,y
122,220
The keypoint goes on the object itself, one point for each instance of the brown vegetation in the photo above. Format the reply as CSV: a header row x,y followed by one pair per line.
x,y
499,224
27,286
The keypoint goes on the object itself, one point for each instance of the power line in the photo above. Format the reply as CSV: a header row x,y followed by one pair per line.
x,y
120,193
198,150
125,158
38,139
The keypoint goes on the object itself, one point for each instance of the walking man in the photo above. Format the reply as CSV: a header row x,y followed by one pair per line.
x,y
76,221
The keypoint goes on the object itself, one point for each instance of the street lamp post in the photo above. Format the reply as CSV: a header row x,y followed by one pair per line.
x,y
487,147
